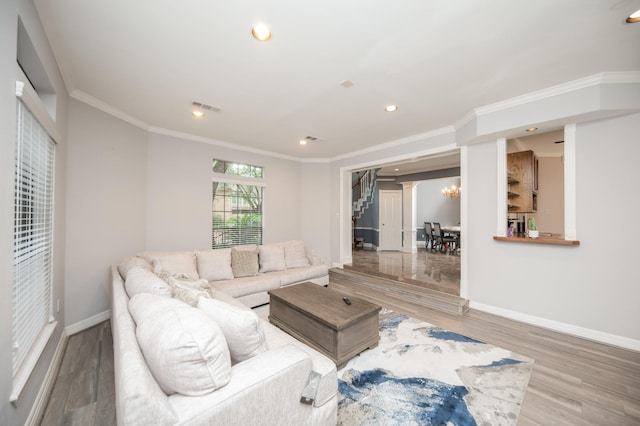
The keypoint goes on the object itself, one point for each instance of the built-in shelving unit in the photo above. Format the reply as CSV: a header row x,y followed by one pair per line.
x,y
522,182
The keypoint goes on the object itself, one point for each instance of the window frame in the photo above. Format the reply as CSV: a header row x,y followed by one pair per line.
x,y
22,366
230,178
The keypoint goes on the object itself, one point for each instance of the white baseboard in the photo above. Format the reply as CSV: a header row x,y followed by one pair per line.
x,y
39,405
574,330
88,323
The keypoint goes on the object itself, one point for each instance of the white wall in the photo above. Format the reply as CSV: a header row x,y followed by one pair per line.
x,y
591,288
315,211
106,194
432,206
9,11
179,184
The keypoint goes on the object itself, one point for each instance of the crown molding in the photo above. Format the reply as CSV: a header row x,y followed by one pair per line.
x,y
560,89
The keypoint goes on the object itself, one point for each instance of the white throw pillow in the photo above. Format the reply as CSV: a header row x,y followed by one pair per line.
x,y
185,350
242,328
244,263
272,258
133,262
215,265
140,280
295,255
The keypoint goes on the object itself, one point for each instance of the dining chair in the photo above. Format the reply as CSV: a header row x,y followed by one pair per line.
x,y
428,235
441,240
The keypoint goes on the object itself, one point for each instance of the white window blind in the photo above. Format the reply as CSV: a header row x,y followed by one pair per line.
x,y
33,233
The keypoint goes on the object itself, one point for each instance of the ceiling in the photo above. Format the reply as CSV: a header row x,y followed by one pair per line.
x,y
147,61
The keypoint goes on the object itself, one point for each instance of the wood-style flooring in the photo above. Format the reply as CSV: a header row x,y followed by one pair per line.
x,y
574,381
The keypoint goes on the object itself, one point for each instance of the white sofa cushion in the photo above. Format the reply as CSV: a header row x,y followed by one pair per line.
x,y
241,327
295,254
239,287
172,262
214,265
297,275
185,350
140,280
272,258
244,263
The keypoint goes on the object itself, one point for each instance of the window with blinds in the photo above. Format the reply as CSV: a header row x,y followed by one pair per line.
x,y
33,233
236,204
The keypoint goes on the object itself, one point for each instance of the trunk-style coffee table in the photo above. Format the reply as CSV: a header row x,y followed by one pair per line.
x,y
319,317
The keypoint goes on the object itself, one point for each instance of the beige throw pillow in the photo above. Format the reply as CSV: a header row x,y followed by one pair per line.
x,y
272,258
244,263
242,329
214,265
185,350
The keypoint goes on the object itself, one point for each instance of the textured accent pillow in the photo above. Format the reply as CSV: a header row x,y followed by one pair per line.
x,y
215,265
295,255
177,262
187,290
242,328
272,258
244,263
185,350
141,280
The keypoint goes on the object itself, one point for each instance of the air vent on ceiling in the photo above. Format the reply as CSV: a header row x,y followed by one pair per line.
x,y
312,138
206,107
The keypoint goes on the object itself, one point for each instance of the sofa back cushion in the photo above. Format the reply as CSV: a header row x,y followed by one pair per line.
x,y
172,262
185,350
214,265
241,327
271,258
295,254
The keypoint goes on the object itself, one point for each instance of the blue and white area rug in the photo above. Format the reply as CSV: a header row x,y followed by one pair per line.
x,y
420,374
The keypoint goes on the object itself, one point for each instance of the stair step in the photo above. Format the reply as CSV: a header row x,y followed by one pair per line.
x,y
352,280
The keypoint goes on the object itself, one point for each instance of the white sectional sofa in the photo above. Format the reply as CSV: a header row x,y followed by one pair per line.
x,y
188,352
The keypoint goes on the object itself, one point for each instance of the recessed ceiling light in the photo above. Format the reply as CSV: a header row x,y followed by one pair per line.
x,y
532,129
391,108
302,142
261,32
396,170
634,17
197,113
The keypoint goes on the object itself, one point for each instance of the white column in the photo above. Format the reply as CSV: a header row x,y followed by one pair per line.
x,y
409,217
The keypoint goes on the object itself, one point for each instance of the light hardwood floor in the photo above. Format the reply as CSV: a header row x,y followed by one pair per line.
x,y
574,381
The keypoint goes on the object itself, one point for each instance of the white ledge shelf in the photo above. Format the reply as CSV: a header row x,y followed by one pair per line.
x,y
541,240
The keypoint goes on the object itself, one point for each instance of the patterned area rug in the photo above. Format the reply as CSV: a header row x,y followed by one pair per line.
x,y
424,375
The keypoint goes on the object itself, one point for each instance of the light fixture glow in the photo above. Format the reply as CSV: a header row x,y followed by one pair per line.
x,y
303,142
197,113
391,108
452,191
261,32
634,17
532,129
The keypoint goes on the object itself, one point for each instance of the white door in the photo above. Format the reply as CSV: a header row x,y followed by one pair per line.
x,y
390,220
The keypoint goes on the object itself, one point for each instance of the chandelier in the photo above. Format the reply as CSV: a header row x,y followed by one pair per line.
x,y
452,191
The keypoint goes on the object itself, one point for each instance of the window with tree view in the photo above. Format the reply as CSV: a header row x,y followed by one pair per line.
x,y
238,192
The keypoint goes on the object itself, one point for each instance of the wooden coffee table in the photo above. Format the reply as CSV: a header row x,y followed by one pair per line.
x,y
318,316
